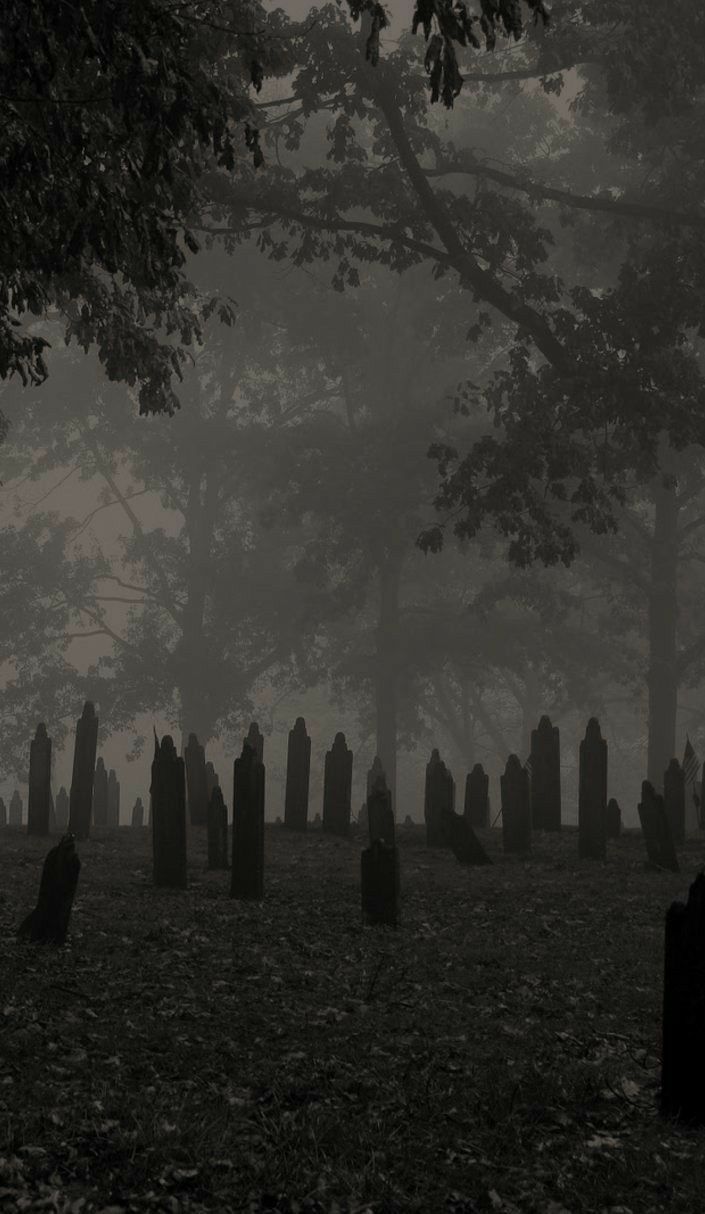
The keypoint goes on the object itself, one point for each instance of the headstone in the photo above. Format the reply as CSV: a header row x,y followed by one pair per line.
x,y
247,879
168,793
516,807
379,869
100,794
316,819
298,768
545,779
48,922
613,819
81,795
113,818
592,794
408,820
439,800
656,829
255,740
212,779
674,800
138,813
683,1050
39,799
375,773
62,809
16,809
337,787
477,802
380,816
217,830
3,813
465,844
197,781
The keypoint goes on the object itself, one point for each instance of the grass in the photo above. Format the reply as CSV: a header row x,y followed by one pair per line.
x,y
499,1051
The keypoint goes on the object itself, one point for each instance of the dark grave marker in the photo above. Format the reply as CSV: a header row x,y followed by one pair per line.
x,y
379,870
613,819
375,773
48,922
247,879
363,819
465,844
516,807
298,769
113,808
197,781
81,794
16,808
100,794
592,794
3,813
656,829
408,820
674,800
439,800
212,779
683,1051
545,782
39,799
168,799
337,787
380,816
477,802
138,813
62,809
255,740
217,830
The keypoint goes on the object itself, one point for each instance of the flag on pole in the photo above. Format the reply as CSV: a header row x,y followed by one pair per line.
x,y
691,767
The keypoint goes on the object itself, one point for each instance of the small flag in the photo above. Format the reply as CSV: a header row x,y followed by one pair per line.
x,y
527,767
690,762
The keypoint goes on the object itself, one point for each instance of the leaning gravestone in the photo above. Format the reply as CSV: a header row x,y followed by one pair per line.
x,y
477,803
674,800
217,830
247,874
113,815
62,809
516,807
255,740
137,819
545,782
379,871
168,793
48,922
380,816
298,769
16,809
3,813
197,781
337,787
683,1048
465,845
613,819
100,794
439,800
656,829
39,799
81,796
592,794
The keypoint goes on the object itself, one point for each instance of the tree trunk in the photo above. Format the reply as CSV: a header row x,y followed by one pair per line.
x,y
662,677
201,514
387,668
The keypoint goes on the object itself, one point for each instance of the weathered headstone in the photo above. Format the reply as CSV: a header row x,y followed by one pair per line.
x,y
477,802
255,740
48,922
247,879
3,813
516,807
337,787
380,816
375,773
656,829
613,819
39,799
298,768
16,809
62,809
81,795
683,1051
379,870
592,794
138,814
113,816
674,800
408,820
100,793
217,830
439,800
197,781
545,780
168,793
212,778
465,844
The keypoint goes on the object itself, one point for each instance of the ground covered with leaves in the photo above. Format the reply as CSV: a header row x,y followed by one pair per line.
x,y
498,1051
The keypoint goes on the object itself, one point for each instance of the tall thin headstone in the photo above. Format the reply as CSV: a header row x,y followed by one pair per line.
x,y
380,815
516,807
477,801
81,795
16,808
113,816
217,830
683,1052
298,769
62,809
137,819
545,781
168,793
247,874
100,793
375,774
337,787
197,781
592,794
674,800
255,740
39,800
439,801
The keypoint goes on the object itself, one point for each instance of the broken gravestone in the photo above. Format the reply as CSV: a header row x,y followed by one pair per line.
x,y
464,843
48,922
